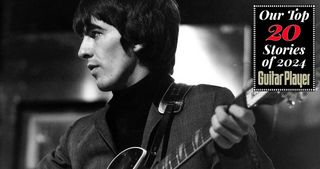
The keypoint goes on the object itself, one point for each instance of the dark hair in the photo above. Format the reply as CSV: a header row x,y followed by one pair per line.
x,y
152,23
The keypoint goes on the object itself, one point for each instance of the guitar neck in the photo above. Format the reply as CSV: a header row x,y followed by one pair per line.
x,y
202,137
186,150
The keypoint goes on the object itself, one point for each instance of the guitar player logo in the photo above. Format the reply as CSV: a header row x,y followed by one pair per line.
x,y
284,48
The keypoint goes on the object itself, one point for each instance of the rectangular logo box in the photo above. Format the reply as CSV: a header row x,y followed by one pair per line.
x,y
284,47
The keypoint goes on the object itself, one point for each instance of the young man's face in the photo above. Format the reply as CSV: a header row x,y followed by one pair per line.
x,y
106,59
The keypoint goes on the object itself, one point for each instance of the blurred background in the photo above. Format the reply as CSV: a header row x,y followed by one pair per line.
x,y
44,87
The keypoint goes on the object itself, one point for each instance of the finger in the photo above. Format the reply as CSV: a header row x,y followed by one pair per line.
x,y
228,121
220,140
226,133
246,116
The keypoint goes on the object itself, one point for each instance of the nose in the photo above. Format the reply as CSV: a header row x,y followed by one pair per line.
x,y
86,48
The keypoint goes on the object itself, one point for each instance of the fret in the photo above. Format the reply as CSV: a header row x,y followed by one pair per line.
x,y
201,136
189,148
197,139
173,161
206,135
181,153
185,151
177,157
194,147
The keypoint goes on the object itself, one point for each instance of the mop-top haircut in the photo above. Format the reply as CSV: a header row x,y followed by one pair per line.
x,y
152,23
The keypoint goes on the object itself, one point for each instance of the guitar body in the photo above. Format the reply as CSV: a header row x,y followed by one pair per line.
x,y
129,158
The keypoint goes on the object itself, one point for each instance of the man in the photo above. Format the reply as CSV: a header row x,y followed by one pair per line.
x,y
129,47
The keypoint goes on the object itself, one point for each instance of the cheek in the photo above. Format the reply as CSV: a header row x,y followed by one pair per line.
x,y
112,55
113,48
115,60
118,55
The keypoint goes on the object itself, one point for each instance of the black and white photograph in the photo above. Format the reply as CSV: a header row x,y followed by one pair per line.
x,y
159,84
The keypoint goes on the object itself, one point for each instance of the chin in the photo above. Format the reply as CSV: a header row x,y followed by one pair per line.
x,y
110,84
104,88
107,86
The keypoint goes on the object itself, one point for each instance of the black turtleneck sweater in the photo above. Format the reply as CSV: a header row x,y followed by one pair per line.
x,y
129,109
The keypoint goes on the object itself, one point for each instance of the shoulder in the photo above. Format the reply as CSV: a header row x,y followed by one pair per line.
x,y
90,119
211,88
84,125
203,99
213,93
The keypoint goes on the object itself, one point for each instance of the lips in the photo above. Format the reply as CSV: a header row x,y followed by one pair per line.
x,y
91,66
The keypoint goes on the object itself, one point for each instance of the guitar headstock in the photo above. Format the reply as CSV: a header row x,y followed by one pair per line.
x,y
291,98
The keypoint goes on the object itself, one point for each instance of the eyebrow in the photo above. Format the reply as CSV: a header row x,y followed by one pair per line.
x,y
91,26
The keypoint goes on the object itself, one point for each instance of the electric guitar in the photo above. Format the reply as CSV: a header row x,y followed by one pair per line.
x,y
133,157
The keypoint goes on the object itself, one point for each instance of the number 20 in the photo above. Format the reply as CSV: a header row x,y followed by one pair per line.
x,y
277,35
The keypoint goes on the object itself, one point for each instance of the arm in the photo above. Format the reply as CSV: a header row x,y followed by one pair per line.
x,y
58,158
235,140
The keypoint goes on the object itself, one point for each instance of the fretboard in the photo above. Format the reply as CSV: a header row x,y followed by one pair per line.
x,y
186,150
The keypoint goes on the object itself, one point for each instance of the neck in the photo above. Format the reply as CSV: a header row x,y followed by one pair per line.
x,y
138,74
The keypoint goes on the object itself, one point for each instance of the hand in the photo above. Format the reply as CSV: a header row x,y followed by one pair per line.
x,y
228,127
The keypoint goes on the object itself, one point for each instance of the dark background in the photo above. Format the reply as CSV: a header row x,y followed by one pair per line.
x,y
37,65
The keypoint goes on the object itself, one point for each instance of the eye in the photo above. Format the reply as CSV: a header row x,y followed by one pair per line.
x,y
94,34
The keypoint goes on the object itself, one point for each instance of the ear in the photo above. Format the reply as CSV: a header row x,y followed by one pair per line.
x,y
137,47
